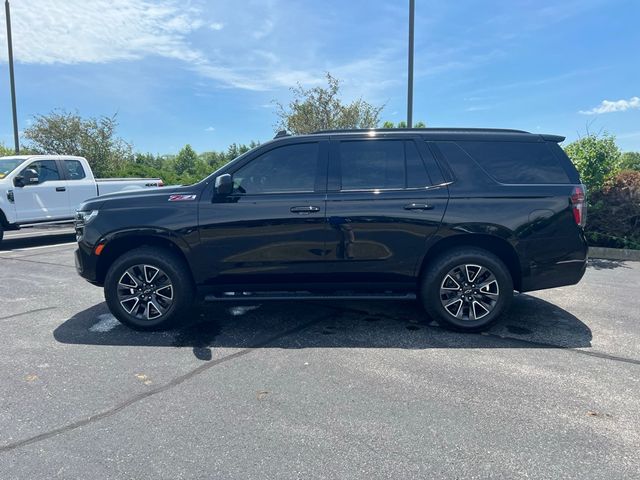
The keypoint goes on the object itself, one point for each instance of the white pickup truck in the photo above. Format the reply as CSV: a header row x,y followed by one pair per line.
x,y
48,188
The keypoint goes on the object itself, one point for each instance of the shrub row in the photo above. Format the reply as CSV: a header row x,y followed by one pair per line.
x,y
613,218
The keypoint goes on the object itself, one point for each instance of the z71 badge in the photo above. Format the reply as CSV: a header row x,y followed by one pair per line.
x,y
182,198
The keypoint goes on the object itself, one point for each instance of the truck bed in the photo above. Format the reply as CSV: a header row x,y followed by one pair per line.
x,y
113,185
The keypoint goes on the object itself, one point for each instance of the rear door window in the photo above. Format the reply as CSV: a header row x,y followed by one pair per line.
x,y
381,165
517,162
74,170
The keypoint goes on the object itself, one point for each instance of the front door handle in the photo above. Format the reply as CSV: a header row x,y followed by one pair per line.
x,y
61,189
418,206
305,209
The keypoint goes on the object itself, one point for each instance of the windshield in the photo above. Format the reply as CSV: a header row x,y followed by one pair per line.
x,y
7,165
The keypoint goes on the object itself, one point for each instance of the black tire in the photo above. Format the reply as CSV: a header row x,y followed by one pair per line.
x,y
445,283
121,280
1,231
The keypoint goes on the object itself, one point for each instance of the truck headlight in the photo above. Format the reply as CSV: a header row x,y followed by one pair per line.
x,y
85,217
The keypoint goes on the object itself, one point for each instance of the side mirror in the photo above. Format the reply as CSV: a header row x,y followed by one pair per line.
x,y
29,176
18,181
224,184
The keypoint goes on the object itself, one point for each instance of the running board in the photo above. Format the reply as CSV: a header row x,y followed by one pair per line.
x,y
47,223
268,296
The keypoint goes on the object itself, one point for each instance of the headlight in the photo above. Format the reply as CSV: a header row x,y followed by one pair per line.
x,y
85,217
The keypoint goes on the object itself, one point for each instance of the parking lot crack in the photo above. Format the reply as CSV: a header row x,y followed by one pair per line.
x,y
35,310
162,388
524,341
591,353
22,259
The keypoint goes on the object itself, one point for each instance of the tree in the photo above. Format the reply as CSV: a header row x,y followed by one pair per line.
x,y
148,159
185,161
235,150
596,157
64,133
6,151
630,161
320,108
403,124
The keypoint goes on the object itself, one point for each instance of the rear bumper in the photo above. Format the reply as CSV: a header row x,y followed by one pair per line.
x,y
556,262
562,273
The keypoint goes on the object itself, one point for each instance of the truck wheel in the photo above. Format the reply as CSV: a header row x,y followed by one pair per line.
x,y
466,289
149,289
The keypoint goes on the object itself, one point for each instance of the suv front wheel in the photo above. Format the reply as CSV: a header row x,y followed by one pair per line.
x,y
148,289
466,289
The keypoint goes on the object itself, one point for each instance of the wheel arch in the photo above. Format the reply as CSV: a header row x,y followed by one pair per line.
x,y
3,219
500,247
119,245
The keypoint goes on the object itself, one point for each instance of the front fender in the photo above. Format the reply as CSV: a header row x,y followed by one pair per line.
x,y
118,242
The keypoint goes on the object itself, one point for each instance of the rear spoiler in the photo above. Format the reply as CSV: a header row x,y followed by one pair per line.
x,y
553,138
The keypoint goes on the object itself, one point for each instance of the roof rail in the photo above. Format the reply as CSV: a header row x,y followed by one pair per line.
x,y
428,129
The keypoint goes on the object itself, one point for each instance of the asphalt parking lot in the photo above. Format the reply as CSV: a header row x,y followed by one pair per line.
x,y
314,390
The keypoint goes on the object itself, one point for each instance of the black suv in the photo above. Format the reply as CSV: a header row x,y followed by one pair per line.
x,y
458,218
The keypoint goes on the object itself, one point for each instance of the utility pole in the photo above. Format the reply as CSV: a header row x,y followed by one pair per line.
x,y
11,76
412,9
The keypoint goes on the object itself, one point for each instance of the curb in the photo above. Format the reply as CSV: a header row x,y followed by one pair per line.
x,y
614,253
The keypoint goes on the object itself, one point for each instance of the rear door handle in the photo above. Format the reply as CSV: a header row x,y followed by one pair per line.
x,y
306,209
61,189
418,206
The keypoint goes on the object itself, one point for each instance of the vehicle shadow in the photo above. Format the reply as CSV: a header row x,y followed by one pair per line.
x,y
39,239
531,323
602,264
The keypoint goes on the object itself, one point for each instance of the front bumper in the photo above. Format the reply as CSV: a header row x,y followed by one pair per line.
x,y
87,264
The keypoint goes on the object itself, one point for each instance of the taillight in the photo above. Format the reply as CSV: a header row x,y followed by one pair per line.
x,y
161,183
579,205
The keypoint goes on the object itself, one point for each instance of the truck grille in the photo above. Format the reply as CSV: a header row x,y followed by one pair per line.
x,y
78,223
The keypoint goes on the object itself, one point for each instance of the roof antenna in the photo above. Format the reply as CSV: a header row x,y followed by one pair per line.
x,y
281,133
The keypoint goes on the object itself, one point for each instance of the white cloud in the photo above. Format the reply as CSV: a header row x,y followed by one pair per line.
x,y
210,129
260,55
99,31
265,29
103,31
608,106
477,108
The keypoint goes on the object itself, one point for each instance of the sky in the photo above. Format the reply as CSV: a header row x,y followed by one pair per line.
x,y
207,72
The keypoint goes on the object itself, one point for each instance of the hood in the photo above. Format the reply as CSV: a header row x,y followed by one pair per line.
x,y
142,197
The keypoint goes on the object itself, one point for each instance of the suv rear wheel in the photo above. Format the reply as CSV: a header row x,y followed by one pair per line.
x,y
148,289
467,289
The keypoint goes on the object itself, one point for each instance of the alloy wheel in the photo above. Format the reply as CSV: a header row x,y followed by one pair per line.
x,y
145,292
469,292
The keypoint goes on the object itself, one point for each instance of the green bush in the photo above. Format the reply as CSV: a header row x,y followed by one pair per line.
x,y
613,218
630,161
597,158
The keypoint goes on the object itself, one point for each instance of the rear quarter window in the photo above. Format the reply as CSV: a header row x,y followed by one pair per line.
x,y
517,162
74,170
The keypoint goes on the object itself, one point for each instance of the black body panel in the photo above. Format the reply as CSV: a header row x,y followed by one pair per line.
x,y
332,238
